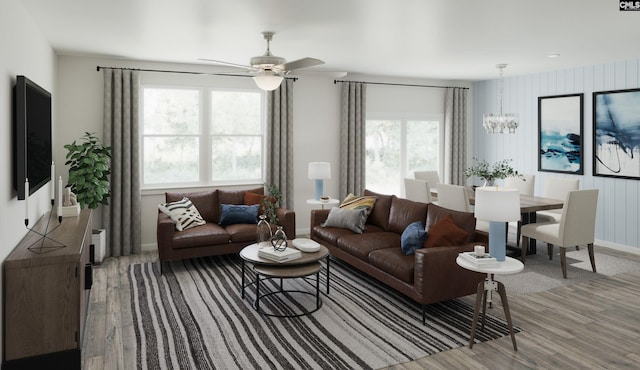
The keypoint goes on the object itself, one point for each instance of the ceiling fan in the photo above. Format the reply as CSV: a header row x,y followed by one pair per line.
x,y
268,69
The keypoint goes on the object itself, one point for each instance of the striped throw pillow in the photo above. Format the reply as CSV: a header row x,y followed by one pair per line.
x,y
183,214
354,202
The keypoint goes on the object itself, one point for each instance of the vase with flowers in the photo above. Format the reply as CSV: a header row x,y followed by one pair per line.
x,y
490,173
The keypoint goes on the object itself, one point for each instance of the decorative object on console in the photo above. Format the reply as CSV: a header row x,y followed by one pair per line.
x,y
560,133
498,206
319,171
89,170
489,174
501,121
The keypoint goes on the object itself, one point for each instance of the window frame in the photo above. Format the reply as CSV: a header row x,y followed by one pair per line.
x,y
205,134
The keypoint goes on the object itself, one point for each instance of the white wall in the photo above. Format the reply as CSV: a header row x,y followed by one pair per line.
x,y
23,51
618,213
316,123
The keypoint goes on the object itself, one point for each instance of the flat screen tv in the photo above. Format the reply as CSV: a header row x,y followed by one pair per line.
x,y
32,136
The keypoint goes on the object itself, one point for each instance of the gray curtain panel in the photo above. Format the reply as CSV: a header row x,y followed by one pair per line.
x,y
280,140
455,120
122,217
352,138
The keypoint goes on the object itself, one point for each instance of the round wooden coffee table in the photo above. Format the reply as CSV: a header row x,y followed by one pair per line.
x,y
302,267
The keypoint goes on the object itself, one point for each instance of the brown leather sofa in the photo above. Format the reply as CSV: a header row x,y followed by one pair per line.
x,y
430,275
212,239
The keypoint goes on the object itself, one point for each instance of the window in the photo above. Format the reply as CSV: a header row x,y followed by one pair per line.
x,y
201,136
395,148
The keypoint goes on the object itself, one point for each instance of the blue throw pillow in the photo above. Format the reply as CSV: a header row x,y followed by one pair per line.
x,y
412,238
238,214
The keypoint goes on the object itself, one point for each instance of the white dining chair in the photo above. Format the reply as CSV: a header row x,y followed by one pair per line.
x,y
526,185
417,190
556,187
431,177
453,197
576,227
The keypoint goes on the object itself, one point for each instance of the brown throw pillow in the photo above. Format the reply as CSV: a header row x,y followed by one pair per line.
x,y
445,232
253,198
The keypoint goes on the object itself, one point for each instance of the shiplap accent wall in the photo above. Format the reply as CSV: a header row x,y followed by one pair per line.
x,y
618,214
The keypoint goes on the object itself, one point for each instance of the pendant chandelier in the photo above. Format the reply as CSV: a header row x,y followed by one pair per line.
x,y
498,123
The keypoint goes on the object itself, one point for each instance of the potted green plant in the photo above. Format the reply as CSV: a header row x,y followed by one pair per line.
x,y
488,173
89,170
270,203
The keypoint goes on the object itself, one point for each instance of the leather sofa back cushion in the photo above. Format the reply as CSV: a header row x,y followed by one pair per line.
x,y
403,212
380,214
464,220
445,232
206,202
236,196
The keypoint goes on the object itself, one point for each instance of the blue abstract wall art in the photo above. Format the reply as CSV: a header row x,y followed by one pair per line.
x,y
616,127
560,133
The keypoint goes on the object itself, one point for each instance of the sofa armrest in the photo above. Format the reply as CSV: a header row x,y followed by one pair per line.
x,y
318,217
287,219
164,234
438,277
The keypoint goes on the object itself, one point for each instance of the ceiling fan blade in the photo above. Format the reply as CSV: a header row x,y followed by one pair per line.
x,y
228,64
300,63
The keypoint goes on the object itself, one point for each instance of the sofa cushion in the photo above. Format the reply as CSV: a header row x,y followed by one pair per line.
x,y
360,245
380,214
238,214
412,238
394,263
242,232
352,219
464,220
207,234
205,201
403,212
330,234
183,214
445,232
236,196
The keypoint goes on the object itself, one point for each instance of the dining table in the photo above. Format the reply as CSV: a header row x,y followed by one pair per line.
x,y
529,206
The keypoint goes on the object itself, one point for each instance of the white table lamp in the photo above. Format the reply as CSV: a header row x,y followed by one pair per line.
x,y
498,206
319,171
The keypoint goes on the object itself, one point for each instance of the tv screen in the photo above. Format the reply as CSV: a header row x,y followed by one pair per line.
x,y
32,133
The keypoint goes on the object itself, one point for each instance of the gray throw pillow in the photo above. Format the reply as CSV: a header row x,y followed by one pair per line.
x,y
352,219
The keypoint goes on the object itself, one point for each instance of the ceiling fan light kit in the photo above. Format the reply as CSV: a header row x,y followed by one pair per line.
x,y
497,123
269,70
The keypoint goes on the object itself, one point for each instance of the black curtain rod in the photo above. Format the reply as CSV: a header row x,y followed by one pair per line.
x,y
183,72
396,84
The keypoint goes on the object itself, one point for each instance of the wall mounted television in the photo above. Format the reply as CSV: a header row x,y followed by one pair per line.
x,y
32,136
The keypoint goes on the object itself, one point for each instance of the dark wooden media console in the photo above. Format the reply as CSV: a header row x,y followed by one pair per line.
x,y
45,295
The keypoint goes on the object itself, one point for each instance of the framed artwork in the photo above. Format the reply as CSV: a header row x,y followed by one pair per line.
x,y
616,133
560,134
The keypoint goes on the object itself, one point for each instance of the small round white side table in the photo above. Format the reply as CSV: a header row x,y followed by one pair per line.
x,y
329,202
487,287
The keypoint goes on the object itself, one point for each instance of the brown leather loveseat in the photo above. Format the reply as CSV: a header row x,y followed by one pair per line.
x,y
211,238
430,275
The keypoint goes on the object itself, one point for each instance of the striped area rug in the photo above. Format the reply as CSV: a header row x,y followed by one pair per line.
x,y
193,317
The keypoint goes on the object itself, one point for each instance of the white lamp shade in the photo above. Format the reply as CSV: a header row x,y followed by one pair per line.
x,y
319,170
267,80
497,204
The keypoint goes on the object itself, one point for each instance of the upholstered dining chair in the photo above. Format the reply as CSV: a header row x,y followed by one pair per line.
x,y
556,187
431,177
526,185
453,197
576,227
417,190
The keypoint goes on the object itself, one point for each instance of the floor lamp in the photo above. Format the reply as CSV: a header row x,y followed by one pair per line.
x,y
319,171
498,206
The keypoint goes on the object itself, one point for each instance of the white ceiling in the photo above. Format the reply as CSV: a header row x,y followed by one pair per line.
x,y
443,39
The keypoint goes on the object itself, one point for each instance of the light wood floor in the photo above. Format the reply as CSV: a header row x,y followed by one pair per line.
x,y
593,325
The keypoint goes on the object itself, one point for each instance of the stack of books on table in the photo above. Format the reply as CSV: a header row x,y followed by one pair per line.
x,y
485,260
279,256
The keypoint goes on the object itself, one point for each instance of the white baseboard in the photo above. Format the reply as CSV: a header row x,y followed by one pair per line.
x,y
152,247
618,247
